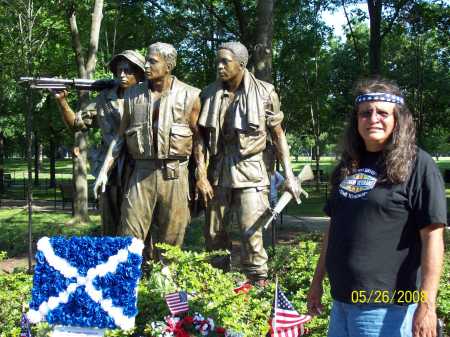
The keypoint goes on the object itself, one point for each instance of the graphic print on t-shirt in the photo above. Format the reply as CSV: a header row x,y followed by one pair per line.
x,y
359,184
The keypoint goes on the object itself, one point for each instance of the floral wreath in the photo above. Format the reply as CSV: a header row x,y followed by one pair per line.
x,y
188,326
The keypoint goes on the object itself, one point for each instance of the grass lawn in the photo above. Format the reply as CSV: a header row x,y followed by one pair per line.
x,y
309,207
327,164
14,228
18,168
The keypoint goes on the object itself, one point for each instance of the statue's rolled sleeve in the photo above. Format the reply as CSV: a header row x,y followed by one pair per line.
x,y
274,116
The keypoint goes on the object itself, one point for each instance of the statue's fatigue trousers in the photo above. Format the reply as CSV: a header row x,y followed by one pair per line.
x,y
105,112
250,207
110,202
158,190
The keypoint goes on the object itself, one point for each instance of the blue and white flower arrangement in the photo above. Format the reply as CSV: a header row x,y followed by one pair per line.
x,y
86,281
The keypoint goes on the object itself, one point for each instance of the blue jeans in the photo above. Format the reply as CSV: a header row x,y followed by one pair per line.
x,y
370,320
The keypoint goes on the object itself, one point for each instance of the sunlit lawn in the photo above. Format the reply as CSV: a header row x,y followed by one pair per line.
x,y
14,228
310,207
18,169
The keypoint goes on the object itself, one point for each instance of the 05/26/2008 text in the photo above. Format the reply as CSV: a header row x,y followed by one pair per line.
x,y
388,297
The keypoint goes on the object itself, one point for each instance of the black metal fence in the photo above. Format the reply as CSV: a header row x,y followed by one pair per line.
x,y
58,193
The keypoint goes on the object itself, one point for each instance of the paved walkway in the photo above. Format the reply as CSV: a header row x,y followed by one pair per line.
x,y
40,205
305,223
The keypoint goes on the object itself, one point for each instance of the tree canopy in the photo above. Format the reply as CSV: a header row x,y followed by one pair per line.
x,y
312,68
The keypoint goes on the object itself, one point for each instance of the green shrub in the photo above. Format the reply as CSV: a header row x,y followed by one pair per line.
x,y
295,266
443,297
15,290
212,291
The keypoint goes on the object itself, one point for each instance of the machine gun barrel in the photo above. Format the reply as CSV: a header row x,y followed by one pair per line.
x,y
64,83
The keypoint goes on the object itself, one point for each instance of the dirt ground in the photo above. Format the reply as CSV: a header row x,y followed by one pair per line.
x,y
9,265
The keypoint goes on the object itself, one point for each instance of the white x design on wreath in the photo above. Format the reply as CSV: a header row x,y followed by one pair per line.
x,y
68,271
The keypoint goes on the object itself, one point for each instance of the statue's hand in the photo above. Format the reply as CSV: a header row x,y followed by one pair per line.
x,y
100,184
59,94
205,189
292,186
87,117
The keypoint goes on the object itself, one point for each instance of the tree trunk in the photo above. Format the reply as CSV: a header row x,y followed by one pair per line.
x,y
80,201
52,157
316,147
2,161
352,34
419,88
85,70
262,53
375,7
317,150
29,125
245,31
36,159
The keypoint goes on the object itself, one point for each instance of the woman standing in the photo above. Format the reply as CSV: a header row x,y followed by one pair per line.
x,y
388,212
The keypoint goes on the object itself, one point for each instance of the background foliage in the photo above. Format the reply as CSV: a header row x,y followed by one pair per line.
x,y
313,69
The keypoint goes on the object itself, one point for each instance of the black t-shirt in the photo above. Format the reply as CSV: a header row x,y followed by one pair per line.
x,y
374,241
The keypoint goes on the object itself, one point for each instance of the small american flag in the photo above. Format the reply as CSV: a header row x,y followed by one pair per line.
x,y
177,302
25,326
286,321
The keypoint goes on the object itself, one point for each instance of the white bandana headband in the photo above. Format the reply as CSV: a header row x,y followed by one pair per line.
x,y
379,96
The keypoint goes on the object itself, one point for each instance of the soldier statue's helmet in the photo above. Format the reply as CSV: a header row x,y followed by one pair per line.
x,y
130,55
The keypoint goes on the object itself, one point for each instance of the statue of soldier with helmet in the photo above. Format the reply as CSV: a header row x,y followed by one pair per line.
x,y
106,112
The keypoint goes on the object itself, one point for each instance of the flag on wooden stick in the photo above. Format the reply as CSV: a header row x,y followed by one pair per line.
x,y
286,321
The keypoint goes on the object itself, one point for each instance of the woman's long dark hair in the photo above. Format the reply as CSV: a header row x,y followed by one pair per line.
x,y
399,153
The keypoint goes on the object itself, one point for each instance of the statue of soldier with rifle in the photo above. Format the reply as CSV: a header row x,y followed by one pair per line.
x,y
105,112
240,116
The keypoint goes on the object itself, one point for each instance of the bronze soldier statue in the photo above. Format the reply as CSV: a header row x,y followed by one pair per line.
x,y
106,112
240,115
159,124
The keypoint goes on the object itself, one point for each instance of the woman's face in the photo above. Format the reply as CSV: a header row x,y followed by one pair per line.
x,y
376,122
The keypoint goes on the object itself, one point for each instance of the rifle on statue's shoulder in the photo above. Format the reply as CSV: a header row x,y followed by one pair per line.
x,y
305,175
64,83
